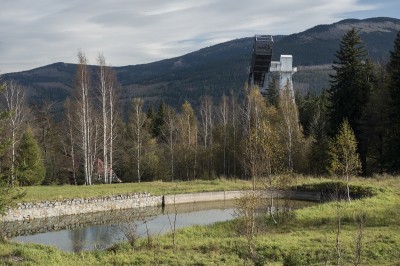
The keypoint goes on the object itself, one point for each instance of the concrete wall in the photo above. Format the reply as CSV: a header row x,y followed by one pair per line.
x,y
28,211
230,195
201,197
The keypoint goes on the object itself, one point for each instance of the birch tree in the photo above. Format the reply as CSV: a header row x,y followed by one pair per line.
x,y
206,114
254,117
112,120
8,193
235,129
137,133
103,88
224,117
187,136
85,116
71,137
18,113
290,123
107,89
345,160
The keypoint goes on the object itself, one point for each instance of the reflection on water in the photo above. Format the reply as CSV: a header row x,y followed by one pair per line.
x,y
101,230
75,233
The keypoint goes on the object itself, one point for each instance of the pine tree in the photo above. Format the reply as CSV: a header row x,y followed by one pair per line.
x,y
151,118
272,93
393,154
30,166
351,87
344,160
159,120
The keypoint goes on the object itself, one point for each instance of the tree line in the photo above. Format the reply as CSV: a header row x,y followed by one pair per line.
x,y
248,137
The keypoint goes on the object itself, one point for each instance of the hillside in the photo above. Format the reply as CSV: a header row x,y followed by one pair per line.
x,y
220,68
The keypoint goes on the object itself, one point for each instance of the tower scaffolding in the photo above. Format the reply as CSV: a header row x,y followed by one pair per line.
x,y
261,65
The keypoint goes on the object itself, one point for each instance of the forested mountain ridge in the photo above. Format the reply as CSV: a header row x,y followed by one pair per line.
x,y
219,68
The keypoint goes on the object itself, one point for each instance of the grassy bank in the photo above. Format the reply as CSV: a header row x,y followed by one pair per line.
x,y
308,238
43,193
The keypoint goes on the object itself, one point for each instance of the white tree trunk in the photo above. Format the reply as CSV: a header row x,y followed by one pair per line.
x,y
224,119
84,116
138,120
169,132
15,106
104,100
71,139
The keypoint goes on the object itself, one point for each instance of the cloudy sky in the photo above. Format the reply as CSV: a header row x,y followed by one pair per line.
x,y
41,32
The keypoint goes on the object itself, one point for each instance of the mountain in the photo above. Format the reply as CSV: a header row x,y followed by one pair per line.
x,y
317,45
220,68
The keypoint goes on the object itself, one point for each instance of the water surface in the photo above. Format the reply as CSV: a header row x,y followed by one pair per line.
x,y
101,230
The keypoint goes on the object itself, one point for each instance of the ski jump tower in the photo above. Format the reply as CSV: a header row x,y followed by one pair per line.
x,y
261,64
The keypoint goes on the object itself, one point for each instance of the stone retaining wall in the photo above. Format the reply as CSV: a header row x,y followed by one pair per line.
x,y
28,211
56,223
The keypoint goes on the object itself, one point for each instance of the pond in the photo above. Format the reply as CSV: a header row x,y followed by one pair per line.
x,y
76,233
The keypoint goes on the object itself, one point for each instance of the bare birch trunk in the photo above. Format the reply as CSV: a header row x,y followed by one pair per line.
x,y
15,105
224,119
112,116
137,129
84,115
104,94
234,126
207,126
290,122
169,131
72,139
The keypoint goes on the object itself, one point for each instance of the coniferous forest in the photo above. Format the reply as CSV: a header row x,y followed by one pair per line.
x,y
98,141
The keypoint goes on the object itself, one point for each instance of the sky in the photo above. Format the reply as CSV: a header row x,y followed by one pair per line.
x,y
128,32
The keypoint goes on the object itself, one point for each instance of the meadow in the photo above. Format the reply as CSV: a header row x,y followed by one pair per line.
x,y
306,236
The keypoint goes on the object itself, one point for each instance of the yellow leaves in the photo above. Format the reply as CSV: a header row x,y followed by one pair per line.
x,y
343,152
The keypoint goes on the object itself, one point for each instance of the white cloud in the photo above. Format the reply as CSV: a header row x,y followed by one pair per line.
x,y
35,33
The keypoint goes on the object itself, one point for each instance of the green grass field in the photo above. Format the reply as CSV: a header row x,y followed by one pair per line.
x,y
43,193
308,238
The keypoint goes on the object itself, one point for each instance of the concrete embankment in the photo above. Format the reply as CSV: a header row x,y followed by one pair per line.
x,y
39,210
230,195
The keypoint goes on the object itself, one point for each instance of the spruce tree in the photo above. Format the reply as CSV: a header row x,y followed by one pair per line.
x,y
351,87
159,120
30,165
151,117
393,154
272,93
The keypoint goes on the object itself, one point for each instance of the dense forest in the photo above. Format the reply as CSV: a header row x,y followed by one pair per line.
x,y
238,136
